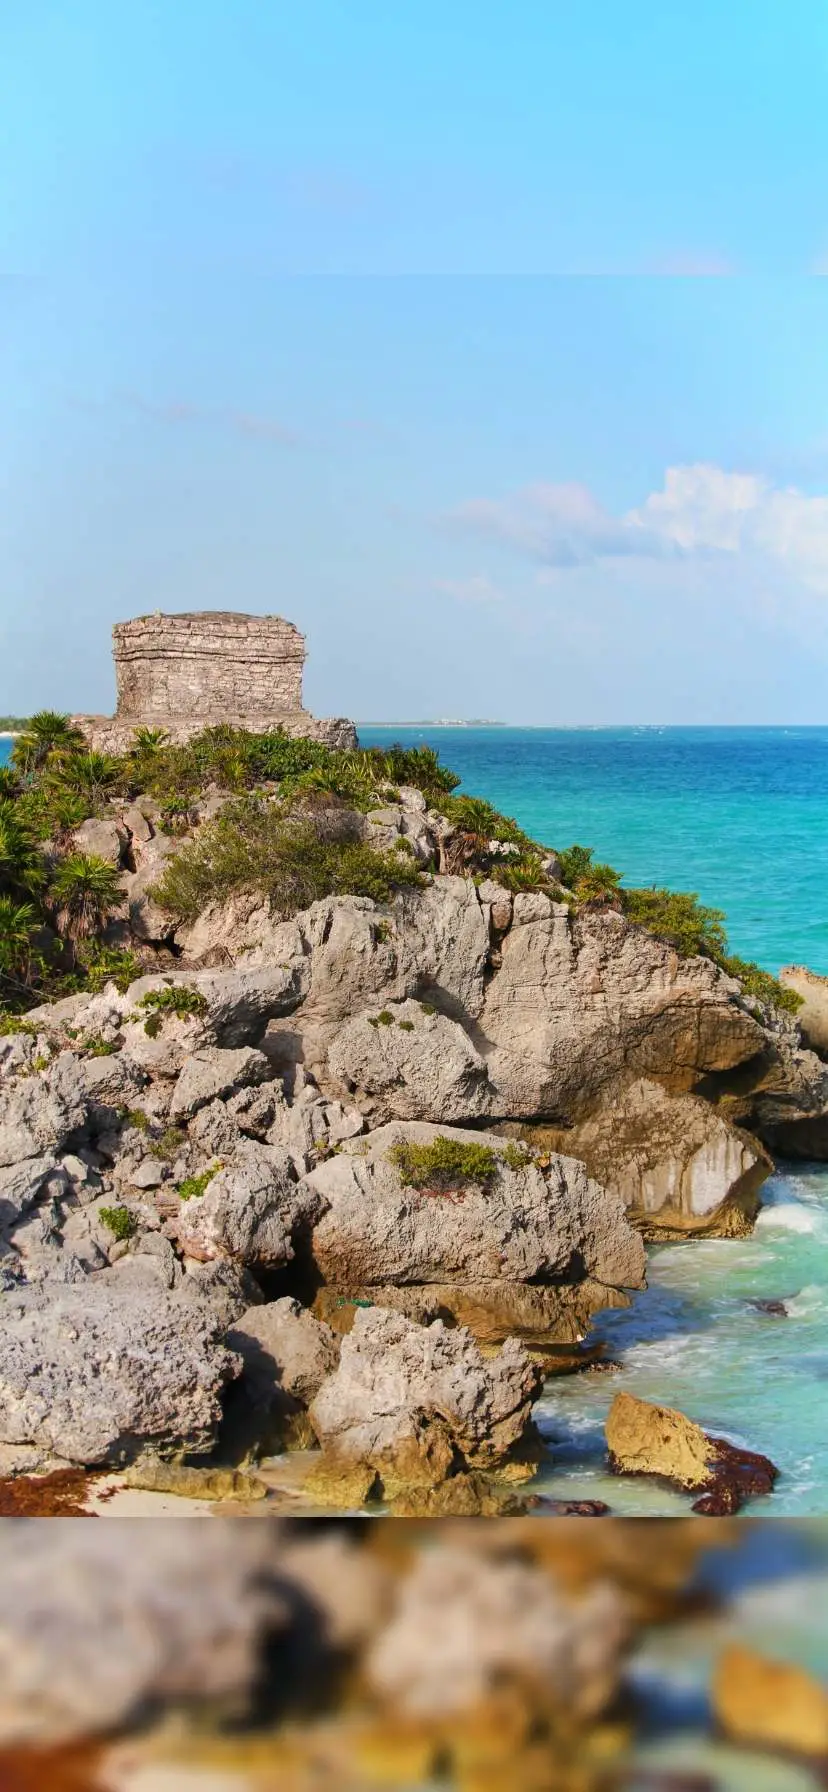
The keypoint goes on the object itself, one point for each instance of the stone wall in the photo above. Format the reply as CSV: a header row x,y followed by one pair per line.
x,y
190,671
208,666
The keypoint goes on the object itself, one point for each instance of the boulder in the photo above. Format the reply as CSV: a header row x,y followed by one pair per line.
x,y
524,1225
250,1211
407,1063
764,1704
22,1185
213,1074
97,1372
416,1403
677,1165
644,1439
96,1633
101,838
282,1346
137,824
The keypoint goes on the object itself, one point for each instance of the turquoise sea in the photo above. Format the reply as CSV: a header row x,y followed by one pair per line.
x,y
741,817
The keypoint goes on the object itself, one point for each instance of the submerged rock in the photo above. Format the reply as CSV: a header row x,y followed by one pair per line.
x,y
644,1439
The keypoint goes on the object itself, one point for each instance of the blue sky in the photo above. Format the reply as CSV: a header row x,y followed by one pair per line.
x,y
487,345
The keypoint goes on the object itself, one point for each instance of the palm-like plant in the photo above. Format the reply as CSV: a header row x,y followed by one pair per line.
x,y
148,740
600,886
90,775
85,893
9,784
17,923
46,733
20,868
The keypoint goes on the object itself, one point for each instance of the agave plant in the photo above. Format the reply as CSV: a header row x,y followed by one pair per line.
x,y
47,733
85,894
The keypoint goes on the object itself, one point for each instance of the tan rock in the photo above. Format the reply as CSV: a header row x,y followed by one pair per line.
x,y
770,1704
677,1164
656,1440
812,1017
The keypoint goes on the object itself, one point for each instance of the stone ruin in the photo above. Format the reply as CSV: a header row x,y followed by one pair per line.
x,y
195,669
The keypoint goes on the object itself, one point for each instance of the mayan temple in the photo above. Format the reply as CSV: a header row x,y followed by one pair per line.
x,y
191,670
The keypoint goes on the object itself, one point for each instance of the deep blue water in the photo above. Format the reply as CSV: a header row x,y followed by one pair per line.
x,y
740,815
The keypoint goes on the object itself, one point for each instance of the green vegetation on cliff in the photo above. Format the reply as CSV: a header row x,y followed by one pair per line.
x,y
291,833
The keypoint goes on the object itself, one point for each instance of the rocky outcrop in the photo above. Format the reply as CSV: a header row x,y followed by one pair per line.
x,y
416,1404
656,1440
760,1703
676,1164
407,1061
524,1229
286,1356
251,1210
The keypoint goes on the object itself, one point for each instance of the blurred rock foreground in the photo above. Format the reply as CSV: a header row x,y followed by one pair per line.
x,y
191,1656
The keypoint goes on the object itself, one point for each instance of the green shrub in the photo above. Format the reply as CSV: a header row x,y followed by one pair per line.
x,y
102,964
448,1164
135,1117
15,1023
100,1048
406,1026
170,1143
290,859
576,861
175,999
678,917
192,1186
385,1019
119,1221
759,983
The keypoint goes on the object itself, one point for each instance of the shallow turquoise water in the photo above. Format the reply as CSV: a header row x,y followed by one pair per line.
x,y
740,816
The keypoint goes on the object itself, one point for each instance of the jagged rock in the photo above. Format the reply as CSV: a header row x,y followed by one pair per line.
x,y
417,1402
136,820
552,1320
147,920
576,1004
213,1074
150,1173
223,1288
410,1064
22,1184
524,1226
250,1211
677,1164
766,1704
40,1114
644,1439
95,1634
463,1625
95,1373
101,838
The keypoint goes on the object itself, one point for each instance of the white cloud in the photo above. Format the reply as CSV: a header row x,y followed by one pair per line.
x,y
701,511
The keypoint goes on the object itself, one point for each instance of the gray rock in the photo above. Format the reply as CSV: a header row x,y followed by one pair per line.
x,y
136,822
525,1225
40,1114
101,838
283,1347
409,1400
222,1288
414,1066
21,1185
214,1074
95,1373
250,1210
147,919
98,1629
148,1174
